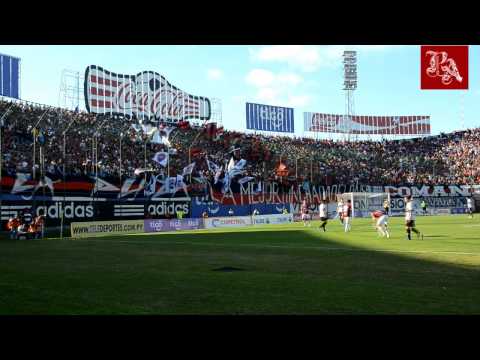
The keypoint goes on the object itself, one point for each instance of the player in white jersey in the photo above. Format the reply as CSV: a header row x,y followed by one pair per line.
x,y
470,207
346,214
323,215
340,210
410,219
380,217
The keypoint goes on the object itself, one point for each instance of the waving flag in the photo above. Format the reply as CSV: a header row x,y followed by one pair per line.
x,y
245,179
161,158
212,166
188,169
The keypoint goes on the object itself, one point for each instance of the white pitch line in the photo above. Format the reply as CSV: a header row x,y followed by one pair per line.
x,y
321,248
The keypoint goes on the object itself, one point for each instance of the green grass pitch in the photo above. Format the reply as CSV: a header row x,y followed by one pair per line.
x,y
285,270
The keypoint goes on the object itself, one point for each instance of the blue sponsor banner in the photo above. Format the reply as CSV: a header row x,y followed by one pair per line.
x,y
269,118
9,76
218,210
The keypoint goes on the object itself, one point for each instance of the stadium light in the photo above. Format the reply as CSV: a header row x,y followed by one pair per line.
x,y
349,83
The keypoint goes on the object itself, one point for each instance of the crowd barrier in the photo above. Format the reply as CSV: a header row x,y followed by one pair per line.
x,y
102,228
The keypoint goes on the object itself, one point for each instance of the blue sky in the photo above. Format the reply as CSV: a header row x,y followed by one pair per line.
x,y
307,78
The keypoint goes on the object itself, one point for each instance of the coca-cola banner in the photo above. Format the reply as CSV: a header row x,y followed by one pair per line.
x,y
145,95
363,124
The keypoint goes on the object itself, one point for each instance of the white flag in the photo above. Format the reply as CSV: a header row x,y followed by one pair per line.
x,y
245,179
231,164
188,169
212,166
161,157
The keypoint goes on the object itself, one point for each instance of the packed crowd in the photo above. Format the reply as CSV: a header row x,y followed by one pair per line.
x,y
111,147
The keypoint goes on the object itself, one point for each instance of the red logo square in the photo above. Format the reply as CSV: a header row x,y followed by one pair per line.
x,y
444,67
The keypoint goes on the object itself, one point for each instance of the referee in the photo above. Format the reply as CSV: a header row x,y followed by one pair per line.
x,y
386,207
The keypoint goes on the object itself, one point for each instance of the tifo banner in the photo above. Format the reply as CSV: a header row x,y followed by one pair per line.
x,y
444,67
216,209
99,228
272,219
172,225
363,124
269,118
145,95
226,222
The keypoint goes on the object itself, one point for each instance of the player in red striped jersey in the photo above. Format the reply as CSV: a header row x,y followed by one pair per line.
x,y
305,214
380,219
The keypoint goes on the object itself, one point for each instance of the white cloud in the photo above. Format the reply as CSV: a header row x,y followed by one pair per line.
x,y
267,95
260,77
309,58
214,74
277,89
298,100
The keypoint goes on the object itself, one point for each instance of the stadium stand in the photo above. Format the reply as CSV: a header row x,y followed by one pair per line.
x,y
442,159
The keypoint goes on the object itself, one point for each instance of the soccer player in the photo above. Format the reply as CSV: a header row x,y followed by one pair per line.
x,y
340,210
323,215
380,218
386,207
470,207
305,215
423,205
410,219
346,214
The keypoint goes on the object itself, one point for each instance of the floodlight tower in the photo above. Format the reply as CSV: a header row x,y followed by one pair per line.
x,y
70,95
349,86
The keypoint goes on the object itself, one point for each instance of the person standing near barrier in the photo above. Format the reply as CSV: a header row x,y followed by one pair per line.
x,y
12,225
230,212
423,205
180,214
284,211
386,207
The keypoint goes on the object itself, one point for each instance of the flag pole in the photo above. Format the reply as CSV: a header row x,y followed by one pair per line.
x,y
35,139
64,176
1,149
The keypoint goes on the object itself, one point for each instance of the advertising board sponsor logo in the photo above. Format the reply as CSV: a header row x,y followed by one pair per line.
x,y
146,94
99,228
163,225
165,208
269,118
237,221
71,210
